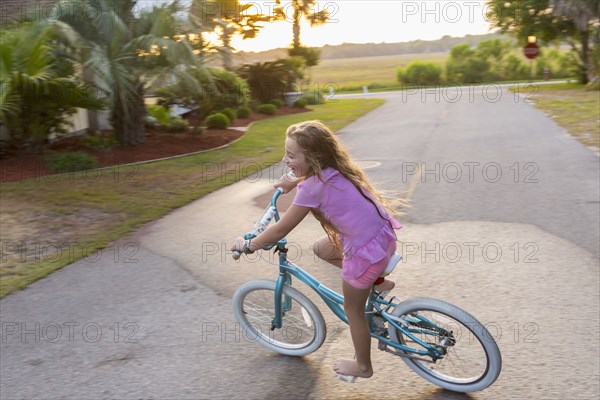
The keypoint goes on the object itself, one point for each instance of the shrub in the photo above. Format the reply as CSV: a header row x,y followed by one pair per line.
x,y
159,115
561,65
269,80
419,73
301,103
378,85
466,65
244,112
38,90
254,104
267,109
313,97
71,161
217,121
177,125
199,130
232,90
205,90
277,103
231,114
97,142
515,69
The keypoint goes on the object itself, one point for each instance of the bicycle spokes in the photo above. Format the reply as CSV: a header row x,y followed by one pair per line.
x,y
307,319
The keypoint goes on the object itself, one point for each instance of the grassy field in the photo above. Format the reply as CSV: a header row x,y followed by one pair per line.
x,y
351,74
354,73
573,107
49,222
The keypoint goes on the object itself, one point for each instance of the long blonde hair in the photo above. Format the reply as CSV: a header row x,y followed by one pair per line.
x,y
322,149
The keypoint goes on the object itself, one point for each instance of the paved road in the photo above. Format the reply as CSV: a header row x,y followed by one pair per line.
x,y
519,251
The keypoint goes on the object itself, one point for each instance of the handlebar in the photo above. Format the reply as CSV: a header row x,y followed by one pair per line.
x,y
278,192
264,220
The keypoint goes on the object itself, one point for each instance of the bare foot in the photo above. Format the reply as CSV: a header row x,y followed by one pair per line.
x,y
387,285
351,367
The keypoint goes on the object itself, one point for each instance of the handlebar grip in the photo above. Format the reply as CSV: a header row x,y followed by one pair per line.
x,y
236,255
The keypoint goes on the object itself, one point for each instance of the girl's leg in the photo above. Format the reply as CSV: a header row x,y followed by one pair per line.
x,y
328,251
382,284
385,286
355,297
354,305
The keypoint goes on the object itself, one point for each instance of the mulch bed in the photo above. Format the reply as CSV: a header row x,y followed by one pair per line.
x,y
159,143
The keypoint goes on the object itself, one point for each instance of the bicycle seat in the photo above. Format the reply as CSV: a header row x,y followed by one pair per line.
x,y
394,260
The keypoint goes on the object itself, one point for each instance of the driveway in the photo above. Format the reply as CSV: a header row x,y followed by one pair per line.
x,y
503,221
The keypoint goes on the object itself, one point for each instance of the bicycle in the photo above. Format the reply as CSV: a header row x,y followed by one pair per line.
x,y
440,342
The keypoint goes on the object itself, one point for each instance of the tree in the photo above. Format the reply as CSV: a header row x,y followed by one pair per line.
x,y
582,13
269,80
466,65
550,21
227,18
494,50
120,53
37,89
302,8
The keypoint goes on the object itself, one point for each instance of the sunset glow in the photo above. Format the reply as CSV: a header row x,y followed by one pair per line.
x,y
363,21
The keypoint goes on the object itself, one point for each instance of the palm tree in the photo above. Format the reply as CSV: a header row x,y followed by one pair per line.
x,y
582,13
303,8
37,92
227,18
268,80
121,54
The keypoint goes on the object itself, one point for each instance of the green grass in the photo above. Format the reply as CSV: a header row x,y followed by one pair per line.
x,y
575,108
86,211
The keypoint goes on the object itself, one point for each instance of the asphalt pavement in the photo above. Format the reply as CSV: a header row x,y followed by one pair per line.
x,y
503,221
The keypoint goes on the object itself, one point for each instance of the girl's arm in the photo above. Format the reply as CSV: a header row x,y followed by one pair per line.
x,y
274,233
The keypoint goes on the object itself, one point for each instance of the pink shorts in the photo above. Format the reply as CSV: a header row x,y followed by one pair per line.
x,y
366,280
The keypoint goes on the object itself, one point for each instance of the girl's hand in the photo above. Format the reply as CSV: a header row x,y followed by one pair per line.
x,y
287,184
238,245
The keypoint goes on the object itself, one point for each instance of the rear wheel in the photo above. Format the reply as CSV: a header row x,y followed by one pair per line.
x,y
472,359
303,327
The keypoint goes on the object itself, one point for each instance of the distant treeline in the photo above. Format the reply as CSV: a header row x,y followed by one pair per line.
x,y
353,50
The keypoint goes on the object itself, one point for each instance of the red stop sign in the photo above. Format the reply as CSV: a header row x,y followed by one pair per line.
x,y
532,50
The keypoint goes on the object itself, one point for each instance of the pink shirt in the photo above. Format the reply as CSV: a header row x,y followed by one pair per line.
x,y
364,234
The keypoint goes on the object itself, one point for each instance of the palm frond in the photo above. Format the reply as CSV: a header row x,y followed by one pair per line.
x,y
318,18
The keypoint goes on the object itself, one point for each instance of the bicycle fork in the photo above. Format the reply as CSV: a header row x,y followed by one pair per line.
x,y
282,303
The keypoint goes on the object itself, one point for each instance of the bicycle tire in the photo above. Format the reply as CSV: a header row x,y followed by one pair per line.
x,y
254,309
471,338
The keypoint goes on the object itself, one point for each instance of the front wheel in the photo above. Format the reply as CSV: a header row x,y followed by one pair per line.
x,y
472,360
303,327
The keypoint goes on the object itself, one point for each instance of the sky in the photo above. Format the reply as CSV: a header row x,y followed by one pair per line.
x,y
368,21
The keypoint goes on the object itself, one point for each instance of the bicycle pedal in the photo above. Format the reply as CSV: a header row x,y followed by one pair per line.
x,y
382,346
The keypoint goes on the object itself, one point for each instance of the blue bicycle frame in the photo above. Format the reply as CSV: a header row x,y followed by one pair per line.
x,y
411,324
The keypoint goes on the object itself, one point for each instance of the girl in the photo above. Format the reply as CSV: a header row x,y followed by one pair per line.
x,y
360,233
